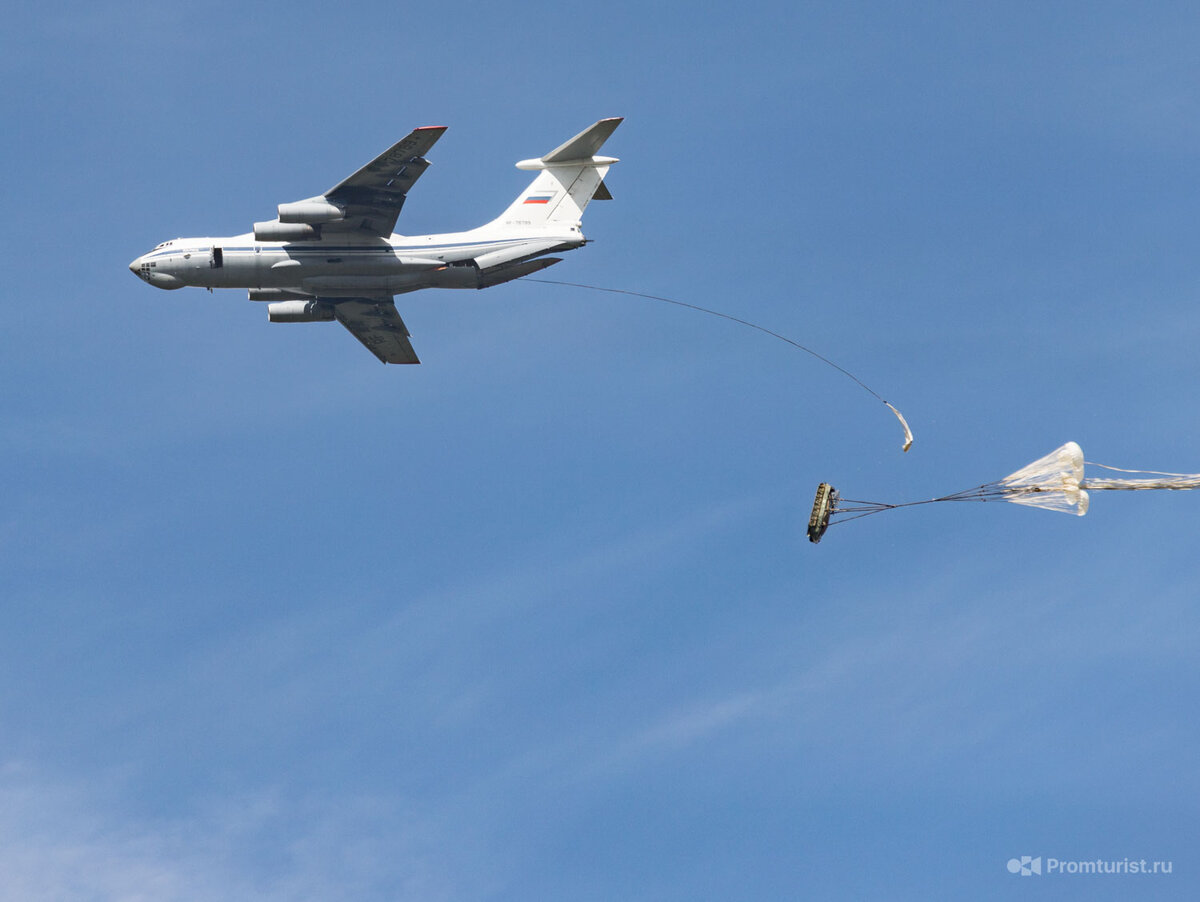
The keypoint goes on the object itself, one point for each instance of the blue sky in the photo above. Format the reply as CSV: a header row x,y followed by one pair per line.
x,y
537,619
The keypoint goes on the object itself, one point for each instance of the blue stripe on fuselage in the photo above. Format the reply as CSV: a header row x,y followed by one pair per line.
x,y
337,248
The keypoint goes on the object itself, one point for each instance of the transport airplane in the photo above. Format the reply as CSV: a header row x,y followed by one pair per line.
x,y
335,257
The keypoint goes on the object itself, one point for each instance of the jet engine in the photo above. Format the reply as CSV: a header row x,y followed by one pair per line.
x,y
313,211
285,231
299,312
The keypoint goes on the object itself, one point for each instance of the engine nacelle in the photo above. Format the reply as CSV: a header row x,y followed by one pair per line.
x,y
313,211
285,231
299,312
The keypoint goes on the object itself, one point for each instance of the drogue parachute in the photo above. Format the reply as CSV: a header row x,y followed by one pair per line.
x,y
1056,482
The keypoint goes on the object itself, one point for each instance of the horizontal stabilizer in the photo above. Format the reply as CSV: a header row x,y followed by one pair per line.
x,y
511,271
585,144
515,254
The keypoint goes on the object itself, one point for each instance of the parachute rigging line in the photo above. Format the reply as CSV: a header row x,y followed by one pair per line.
x,y
908,436
1056,482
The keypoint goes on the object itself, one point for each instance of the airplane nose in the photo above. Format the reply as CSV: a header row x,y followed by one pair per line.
x,y
152,276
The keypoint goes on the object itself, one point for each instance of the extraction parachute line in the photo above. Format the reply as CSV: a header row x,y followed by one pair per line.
x,y
1054,482
908,436
1172,481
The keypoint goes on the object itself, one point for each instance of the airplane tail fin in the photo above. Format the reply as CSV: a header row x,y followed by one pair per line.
x,y
569,177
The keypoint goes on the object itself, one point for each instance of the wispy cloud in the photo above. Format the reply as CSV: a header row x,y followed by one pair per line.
x,y
62,843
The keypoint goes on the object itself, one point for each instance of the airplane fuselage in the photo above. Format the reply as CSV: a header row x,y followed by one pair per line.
x,y
343,265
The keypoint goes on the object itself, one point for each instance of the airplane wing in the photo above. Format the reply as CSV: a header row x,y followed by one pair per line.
x,y
376,323
373,196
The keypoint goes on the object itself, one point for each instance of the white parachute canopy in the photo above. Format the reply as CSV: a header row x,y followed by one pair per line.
x,y
1055,482
1058,482
1052,482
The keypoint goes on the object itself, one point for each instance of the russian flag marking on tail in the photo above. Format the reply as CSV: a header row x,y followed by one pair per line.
x,y
538,198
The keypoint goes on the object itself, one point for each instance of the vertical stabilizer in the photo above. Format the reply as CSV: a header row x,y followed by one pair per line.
x,y
568,178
